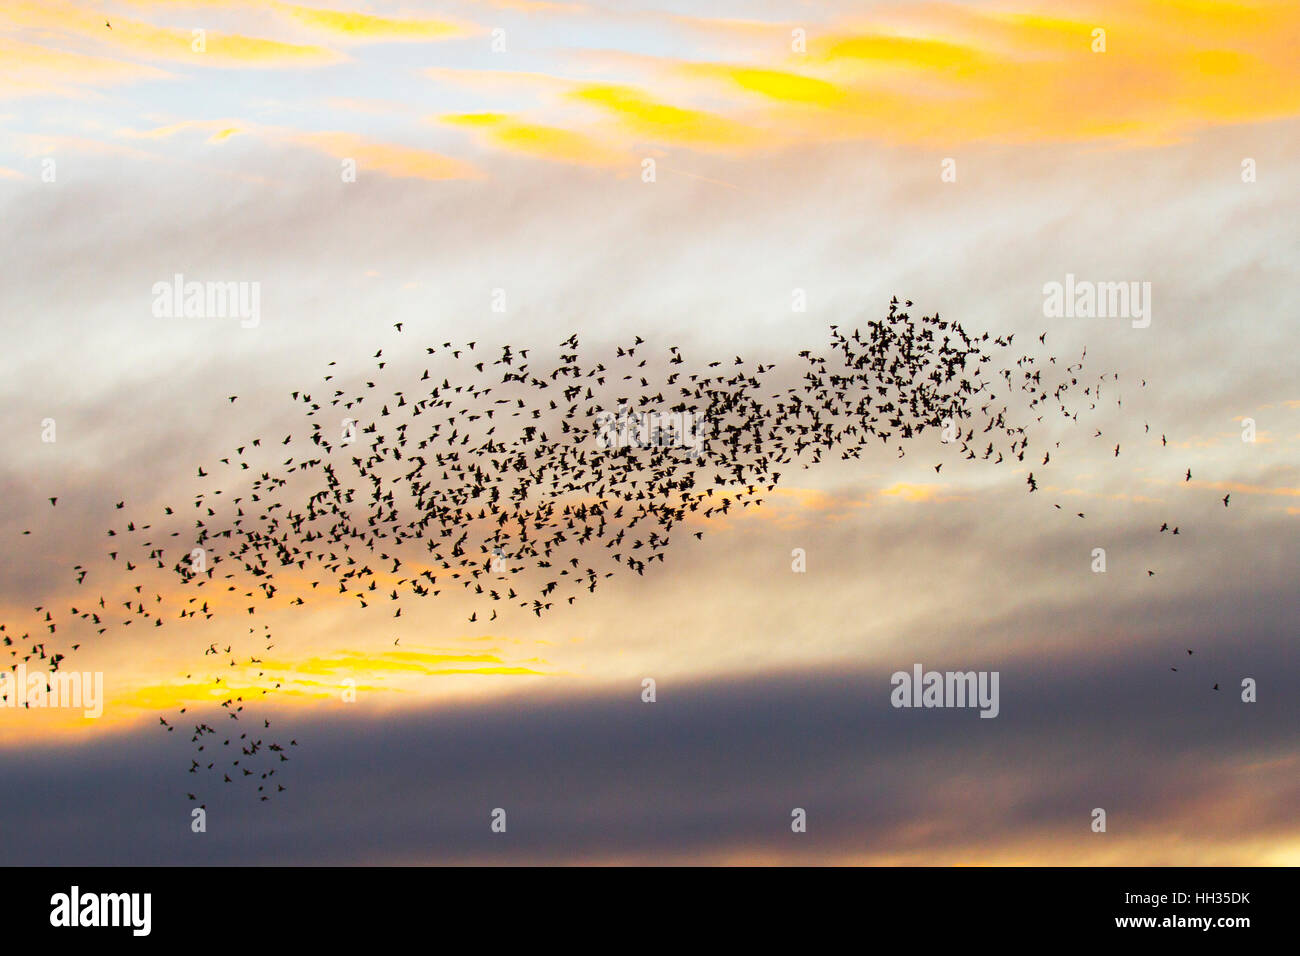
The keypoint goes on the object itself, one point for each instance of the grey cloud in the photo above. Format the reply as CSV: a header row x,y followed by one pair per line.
x,y
712,766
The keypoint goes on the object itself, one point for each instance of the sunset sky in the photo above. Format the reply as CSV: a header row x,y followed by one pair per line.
x,y
961,155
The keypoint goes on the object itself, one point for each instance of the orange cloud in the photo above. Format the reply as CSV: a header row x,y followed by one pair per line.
x,y
915,492
390,159
1238,487
951,75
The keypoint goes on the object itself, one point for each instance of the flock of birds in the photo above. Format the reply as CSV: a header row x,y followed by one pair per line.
x,y
490,480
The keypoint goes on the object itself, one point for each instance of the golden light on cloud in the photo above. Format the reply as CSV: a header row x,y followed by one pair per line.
x,y
544,142
926,75
289,681
364,26
780,85
914,492
974,74
823,590
953,75
881,51
196,46
647,117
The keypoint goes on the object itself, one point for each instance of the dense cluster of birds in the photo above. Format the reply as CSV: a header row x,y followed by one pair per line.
x,y
497,478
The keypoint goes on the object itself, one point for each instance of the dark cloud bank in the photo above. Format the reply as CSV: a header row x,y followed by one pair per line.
x,y
710,767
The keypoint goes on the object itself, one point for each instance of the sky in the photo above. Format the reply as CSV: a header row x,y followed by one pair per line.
x,y
519,171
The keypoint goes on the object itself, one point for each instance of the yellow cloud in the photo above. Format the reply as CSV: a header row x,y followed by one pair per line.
x,y
903,52
416,662
363,26
277,682
929,74
949,74
545,142
774,84
135,36
662,122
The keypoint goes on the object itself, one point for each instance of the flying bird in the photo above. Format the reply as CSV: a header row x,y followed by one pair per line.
x,y
522,481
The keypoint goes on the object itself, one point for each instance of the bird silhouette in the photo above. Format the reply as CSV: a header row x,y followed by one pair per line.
x,y
523,483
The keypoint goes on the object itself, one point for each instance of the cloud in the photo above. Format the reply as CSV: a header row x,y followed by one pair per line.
x,y
780,85
947,74
645,117
219,130
165,43
366,27
1245,488
543,142
710,270
914,492
391,159
711,771
31,69
51,144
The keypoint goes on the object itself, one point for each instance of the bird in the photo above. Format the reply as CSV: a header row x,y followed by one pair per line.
x,y
487,472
